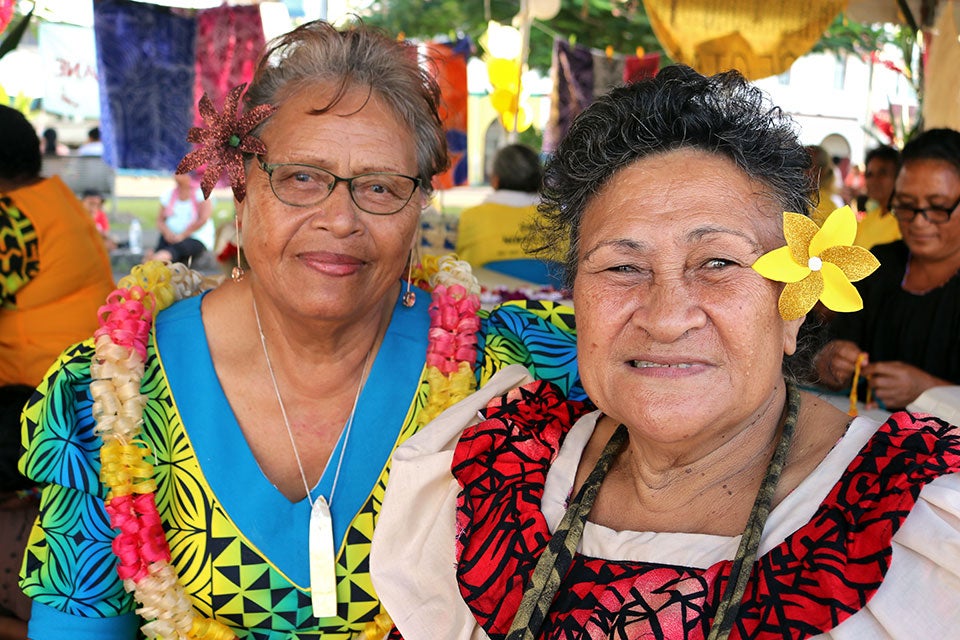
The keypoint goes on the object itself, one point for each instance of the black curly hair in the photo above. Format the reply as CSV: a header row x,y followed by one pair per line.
x,y
678,108
933,144
19,147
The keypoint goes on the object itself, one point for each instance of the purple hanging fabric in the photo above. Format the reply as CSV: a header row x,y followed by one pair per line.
x,y
146,57
572,90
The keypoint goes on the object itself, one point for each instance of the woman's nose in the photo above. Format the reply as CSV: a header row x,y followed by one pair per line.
x,y
337,212
669,309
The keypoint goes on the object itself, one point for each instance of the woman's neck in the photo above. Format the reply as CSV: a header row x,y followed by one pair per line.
x,y
12,184
705,488
320,346
922,276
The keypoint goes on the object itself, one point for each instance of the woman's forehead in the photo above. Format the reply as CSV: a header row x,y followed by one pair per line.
x,y
687,179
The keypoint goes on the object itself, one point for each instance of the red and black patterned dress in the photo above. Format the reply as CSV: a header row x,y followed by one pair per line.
x,y
867,547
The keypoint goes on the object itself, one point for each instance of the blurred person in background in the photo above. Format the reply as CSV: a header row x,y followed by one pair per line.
x,y
878,226
51,147
93,146
907,336
56,272
93,202
823,174
494,234
53,278
185,224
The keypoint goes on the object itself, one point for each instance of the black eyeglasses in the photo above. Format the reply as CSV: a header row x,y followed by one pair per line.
x,y
936,214
304,185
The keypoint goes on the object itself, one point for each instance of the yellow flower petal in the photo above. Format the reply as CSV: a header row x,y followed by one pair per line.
x,y
838,294
779,265
798,231
839,229
855,262
798,298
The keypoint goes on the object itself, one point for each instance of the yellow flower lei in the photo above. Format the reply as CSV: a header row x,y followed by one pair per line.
x,y
117,370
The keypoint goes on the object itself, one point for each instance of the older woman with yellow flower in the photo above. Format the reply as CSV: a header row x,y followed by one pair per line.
x,y
700,494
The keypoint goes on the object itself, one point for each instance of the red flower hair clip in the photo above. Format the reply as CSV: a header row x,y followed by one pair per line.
x,y
224,141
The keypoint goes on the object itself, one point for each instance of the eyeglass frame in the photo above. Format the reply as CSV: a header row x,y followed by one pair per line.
x,y
922,211
269,168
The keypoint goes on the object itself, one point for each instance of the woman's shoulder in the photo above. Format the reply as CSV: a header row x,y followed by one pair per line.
x,y
539,334
524,426
58,425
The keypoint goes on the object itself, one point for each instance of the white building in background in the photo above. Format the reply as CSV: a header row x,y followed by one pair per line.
x,y
834,98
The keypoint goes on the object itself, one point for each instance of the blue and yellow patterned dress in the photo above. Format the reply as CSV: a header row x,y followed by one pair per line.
x,y
239,545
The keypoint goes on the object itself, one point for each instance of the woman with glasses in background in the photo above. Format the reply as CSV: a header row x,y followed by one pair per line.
x,y
274,401
908,334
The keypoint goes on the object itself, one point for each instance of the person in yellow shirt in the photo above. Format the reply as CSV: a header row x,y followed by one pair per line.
x,y
823,174
493,234
878,225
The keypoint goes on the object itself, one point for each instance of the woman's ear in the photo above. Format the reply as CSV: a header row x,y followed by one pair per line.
x,y
791,329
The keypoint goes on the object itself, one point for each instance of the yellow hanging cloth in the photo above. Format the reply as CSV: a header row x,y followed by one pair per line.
x,y
759,38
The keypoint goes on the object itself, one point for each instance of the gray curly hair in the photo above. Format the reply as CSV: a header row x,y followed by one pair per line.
x,y
357,56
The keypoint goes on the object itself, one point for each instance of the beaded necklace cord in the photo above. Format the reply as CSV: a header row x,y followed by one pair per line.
x,y
117,370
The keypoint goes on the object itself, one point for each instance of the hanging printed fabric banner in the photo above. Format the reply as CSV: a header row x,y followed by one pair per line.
x,y
229,42
145,56
572,71
449,63
760,38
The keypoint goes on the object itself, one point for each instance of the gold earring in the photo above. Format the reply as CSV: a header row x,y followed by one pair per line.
x,y
410,297
237,273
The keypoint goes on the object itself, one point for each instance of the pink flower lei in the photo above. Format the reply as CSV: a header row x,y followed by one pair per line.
x,y
117,371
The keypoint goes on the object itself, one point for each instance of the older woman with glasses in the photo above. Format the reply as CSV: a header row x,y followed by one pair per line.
x,y
236,494
907,338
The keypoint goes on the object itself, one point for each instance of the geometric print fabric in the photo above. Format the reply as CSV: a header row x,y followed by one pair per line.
x,y
69,564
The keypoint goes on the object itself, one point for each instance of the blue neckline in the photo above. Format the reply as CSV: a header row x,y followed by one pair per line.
x,y
267,519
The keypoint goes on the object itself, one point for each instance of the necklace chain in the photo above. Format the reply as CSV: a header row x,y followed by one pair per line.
x,y
286,421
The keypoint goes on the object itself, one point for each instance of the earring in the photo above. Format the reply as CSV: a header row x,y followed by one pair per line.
x,y
409,297
237,273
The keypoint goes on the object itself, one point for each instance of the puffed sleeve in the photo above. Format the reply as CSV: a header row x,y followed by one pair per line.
x,y
920,595
69,569
540,335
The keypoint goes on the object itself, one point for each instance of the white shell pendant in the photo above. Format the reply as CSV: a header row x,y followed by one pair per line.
x,y
323,573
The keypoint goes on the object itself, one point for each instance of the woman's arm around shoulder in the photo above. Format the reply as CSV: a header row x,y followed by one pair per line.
x,y
69,569
413,554
539,334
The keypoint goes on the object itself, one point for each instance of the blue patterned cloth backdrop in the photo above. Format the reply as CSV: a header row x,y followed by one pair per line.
x,y
146,57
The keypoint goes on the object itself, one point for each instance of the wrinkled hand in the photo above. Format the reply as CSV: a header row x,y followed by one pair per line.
x,y
835,363
898,384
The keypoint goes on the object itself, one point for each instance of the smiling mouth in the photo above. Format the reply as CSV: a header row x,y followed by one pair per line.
x,y
644,364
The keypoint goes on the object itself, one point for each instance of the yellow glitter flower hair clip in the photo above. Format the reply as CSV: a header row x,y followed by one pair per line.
x,y
818,263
